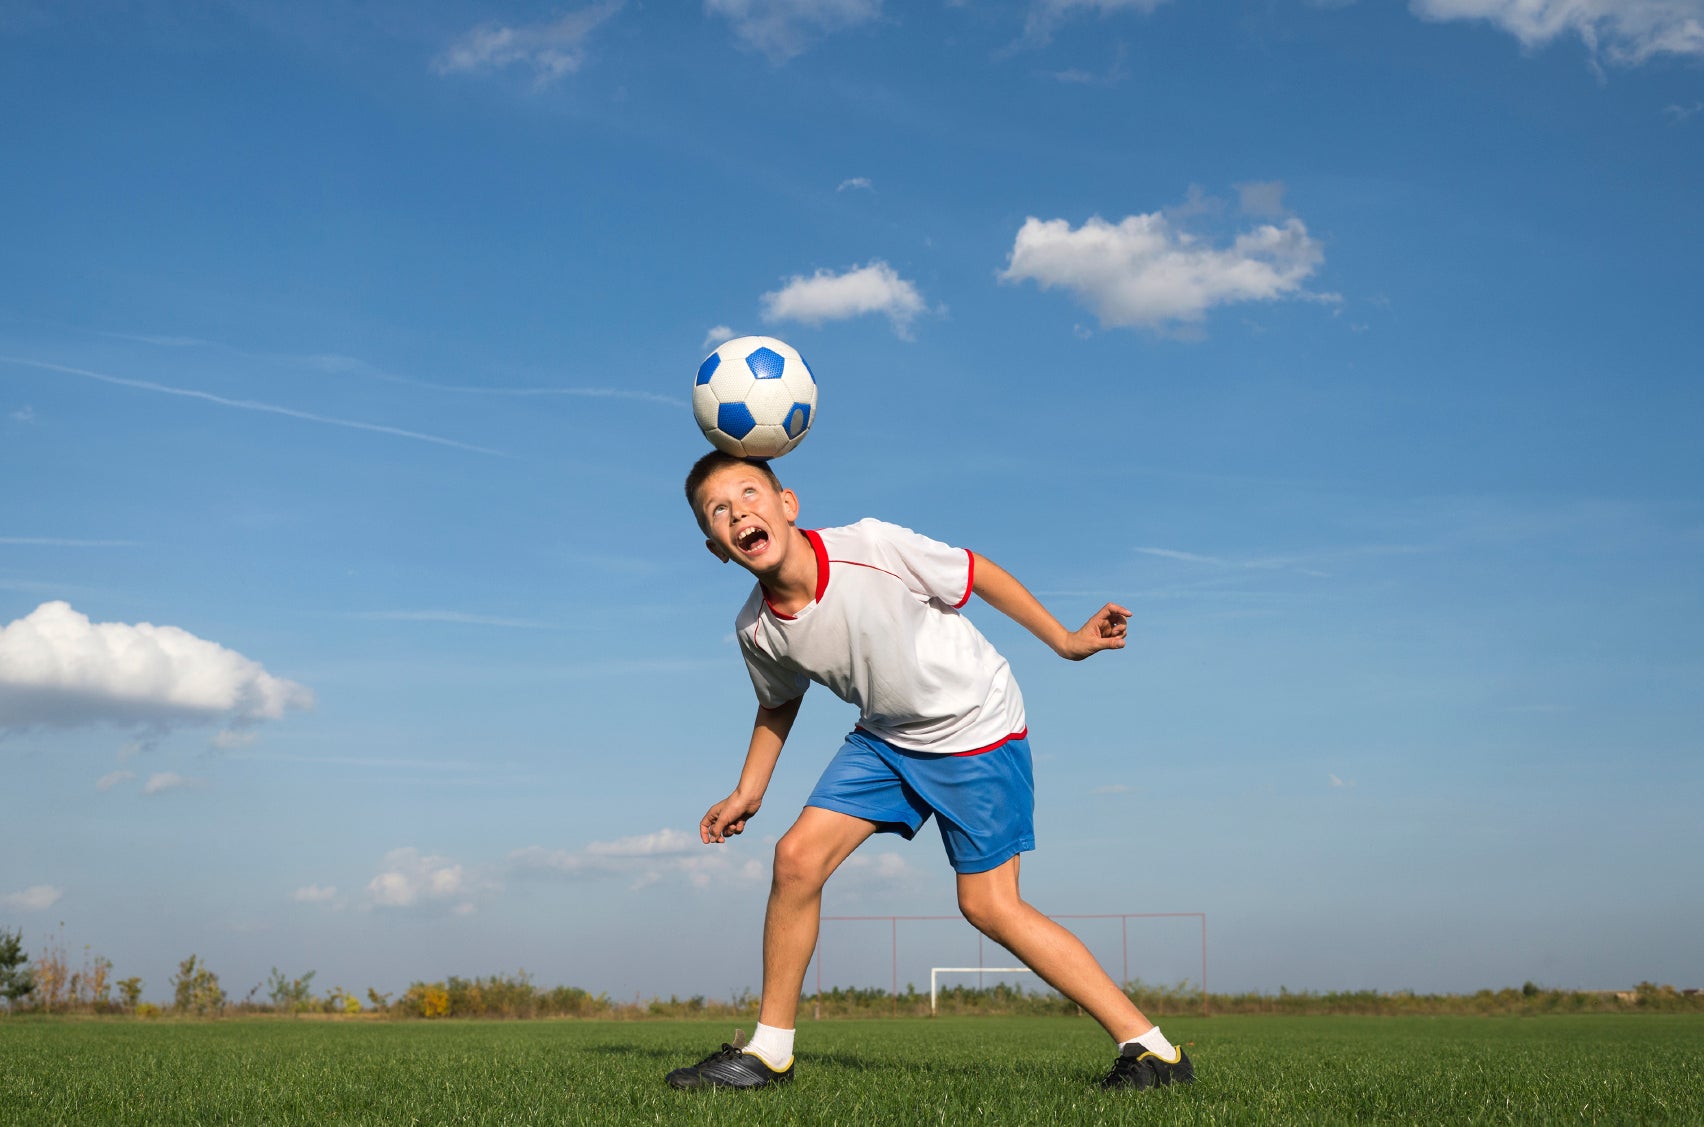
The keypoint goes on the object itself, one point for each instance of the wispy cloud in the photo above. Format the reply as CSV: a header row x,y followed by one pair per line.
x,y
113,779
647,859
36,898
782,29
643,860
1340,784
1679,114
1045,15
551,50
163,781
62,542
826,296
315,894
250,405
1629,32
1277,564
453,617
348,364
856,183
1116,71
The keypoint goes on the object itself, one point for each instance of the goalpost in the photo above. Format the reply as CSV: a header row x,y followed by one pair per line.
x,y
1177,946
936,972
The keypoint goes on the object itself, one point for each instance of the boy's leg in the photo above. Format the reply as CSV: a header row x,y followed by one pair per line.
x,y
990,901
804,858
1146,1059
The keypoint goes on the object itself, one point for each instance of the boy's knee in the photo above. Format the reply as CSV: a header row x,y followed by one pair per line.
x,y
797,862
985,911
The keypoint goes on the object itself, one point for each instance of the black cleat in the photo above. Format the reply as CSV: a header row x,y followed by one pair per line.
x,y
728,1067
1140,1068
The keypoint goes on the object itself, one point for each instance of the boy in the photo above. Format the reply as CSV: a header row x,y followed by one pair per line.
x,y
871,612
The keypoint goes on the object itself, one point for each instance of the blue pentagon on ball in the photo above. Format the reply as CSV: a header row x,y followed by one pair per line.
x,y
734,420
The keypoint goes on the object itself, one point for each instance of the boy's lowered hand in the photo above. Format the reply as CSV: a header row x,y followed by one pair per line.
x,y
727,817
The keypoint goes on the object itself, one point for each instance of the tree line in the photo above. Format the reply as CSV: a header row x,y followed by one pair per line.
x,y
50,984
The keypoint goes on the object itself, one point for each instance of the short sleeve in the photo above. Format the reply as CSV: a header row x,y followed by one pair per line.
x,y
928,567
774,682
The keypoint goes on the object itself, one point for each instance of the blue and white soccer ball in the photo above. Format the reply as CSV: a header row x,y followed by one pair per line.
x,y
755,397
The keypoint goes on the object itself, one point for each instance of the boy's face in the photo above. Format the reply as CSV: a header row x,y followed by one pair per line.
x,y
747,519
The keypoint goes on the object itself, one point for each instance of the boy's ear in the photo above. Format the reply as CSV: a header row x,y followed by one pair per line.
x,y
716,550
790,505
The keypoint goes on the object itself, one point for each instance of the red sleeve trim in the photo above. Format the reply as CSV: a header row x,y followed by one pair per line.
x,y
970,583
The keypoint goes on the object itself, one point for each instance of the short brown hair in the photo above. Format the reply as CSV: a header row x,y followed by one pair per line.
x,y
719,460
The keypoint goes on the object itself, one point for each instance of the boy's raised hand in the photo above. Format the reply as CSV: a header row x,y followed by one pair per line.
x,y
727,817
1105,630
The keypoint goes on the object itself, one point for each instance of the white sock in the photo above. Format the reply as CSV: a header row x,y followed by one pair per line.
x,y
774,1046
1154,1041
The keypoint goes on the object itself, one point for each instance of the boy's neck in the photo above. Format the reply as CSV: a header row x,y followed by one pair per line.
x,y
792,588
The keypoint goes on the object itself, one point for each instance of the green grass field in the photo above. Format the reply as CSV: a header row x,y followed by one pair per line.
x,y
1005,1071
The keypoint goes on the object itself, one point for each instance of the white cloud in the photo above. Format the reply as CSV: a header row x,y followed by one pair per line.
x,y
1339,784
1629,31
36,898
856,182
827,296
551,49
717,336
1678,113
23,415
1146,271
410,877
162,781
59,669
115,778
782,29
314,894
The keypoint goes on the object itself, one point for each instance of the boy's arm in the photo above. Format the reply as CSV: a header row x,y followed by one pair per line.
x,y
768,734
1001,590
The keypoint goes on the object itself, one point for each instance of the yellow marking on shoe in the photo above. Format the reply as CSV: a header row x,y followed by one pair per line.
x,y
771,1064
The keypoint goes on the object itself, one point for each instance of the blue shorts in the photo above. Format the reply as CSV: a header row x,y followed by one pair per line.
x,y
984,803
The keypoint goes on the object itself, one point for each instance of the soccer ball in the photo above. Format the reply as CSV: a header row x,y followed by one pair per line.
x,y
755,397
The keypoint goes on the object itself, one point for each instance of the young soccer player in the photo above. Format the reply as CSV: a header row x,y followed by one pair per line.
x,y
871,612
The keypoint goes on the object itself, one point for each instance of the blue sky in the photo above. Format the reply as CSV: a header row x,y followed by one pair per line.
x,y
353,620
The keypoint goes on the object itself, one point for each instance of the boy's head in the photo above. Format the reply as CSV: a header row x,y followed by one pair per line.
x,y
744,511
714,462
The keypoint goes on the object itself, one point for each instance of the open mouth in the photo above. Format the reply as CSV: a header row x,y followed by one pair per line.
x,y
751,539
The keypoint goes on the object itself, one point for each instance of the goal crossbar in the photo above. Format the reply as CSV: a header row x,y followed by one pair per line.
x,y
936,972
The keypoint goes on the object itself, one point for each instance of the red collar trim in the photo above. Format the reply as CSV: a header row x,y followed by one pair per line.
x,y
821,553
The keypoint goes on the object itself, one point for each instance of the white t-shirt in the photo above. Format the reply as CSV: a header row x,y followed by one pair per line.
x,y
884,633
